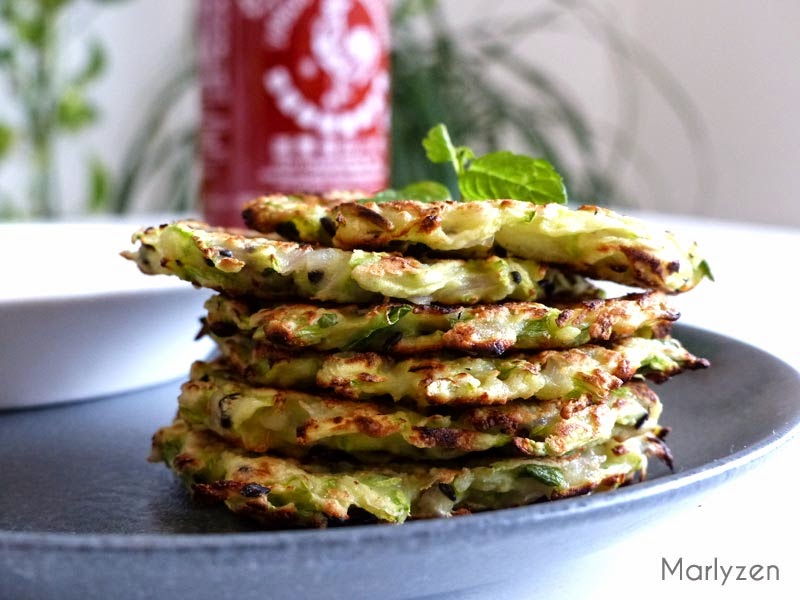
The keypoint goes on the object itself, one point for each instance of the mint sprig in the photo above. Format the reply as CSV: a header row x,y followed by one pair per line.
x,y
500,174
439,148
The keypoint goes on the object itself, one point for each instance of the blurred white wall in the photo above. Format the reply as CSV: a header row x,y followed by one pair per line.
x,y
738,64
735,60
740,61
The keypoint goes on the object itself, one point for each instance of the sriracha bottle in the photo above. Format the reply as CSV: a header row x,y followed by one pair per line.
x,y
295,98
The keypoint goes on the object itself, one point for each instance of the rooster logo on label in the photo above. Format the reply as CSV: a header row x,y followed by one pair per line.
x,y
335,82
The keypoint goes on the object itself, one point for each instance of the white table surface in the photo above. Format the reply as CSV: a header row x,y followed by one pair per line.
x,y
755,517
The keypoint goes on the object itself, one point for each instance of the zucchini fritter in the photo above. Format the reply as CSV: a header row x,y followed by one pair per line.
x,y
458,380
486,329
284,492
593,241
262,419
244,265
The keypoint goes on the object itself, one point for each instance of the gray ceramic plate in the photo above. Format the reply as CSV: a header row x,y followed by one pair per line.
x,y
82,515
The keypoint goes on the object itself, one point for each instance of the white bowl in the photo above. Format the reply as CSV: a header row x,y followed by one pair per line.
x,y
77,321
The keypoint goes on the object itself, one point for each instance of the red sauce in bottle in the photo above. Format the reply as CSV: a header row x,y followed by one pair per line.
x,y
295,98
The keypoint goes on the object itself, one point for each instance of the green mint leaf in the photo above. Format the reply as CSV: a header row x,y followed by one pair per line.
x,y
464,155
548,475
440,149
438,146
498,174
508,175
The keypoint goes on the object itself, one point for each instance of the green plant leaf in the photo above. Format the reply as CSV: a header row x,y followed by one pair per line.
x,y
74,111
406,9
498,174
99,185
6,55
438,145
54,5
32,32
94,67
440,149
7,138
508,175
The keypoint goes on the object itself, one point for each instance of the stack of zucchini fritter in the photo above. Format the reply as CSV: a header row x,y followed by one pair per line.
x,y
385,361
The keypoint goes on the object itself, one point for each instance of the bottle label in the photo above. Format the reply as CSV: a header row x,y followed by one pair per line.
x,y
295,97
